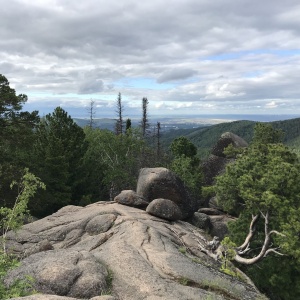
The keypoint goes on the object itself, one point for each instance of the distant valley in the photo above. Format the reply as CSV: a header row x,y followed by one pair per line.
x,y
204,131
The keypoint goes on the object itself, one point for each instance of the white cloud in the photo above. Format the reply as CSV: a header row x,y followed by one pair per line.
x,y
215,55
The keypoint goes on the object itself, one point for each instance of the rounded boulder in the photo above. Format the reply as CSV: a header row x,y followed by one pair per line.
x,y
165,209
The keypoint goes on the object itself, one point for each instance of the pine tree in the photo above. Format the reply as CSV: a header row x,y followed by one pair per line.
x,y
262,189
145,122
119,110
59,150
16,137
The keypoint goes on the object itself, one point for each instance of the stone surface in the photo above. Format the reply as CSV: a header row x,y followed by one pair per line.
x,y
64,272
219,226
131,198
165,209
210,211
201,221
155,183
225,140
216,162
212,167
54,297
139,252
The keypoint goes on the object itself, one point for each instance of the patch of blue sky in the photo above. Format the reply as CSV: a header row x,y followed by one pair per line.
x,y
237,55
252,74
142,83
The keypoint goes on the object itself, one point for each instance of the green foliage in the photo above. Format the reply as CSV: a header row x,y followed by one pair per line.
x,y
182,250
264,133
16,136
265,179
181,146
186,165
232,152
18,288
128,125
59,150
189,170
204,138
114,160
12,219
228,254
109,279
183,281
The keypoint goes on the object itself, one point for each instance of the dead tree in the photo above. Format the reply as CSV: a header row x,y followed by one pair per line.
x,y
91,111
243,250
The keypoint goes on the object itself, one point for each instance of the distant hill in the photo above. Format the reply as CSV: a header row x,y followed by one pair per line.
x,y
205,137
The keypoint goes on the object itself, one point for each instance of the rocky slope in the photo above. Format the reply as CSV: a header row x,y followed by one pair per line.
x,y
111,249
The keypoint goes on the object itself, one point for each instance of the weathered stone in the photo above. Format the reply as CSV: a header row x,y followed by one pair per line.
x,y
41,246
100,223
131,198
165,209
155,183
54,297
213,167
225,140
140,253
201,221
64,272
216,162
43,297
210,211
213,203
219,226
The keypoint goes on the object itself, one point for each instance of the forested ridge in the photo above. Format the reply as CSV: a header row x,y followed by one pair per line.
x,y
206,137
50,162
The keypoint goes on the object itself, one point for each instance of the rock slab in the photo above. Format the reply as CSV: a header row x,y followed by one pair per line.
x,y
134,256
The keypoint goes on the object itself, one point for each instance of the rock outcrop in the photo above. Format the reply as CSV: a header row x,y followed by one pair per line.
x,y
123,252
131,198
216,162
212,221
155,183
165,209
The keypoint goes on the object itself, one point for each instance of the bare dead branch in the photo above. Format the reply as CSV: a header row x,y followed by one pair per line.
x,y
252,229
265,250
273,251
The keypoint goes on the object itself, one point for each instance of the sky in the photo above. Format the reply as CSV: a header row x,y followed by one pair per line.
x,y
188,57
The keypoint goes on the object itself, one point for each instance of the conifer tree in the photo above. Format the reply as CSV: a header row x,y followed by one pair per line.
x,y
16,137
262,189
145,121
59,150
119,110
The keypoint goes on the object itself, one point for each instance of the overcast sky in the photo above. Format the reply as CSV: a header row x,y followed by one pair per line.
x,y
185,56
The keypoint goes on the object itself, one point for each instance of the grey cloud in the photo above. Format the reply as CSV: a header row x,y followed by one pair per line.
x,y
86,46
176,74
91,87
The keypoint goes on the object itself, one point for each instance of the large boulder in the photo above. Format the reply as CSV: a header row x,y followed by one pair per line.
x,y
225,140
131,198
135,256
155,183
201,221
217,161
165,209
212,221
219,225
